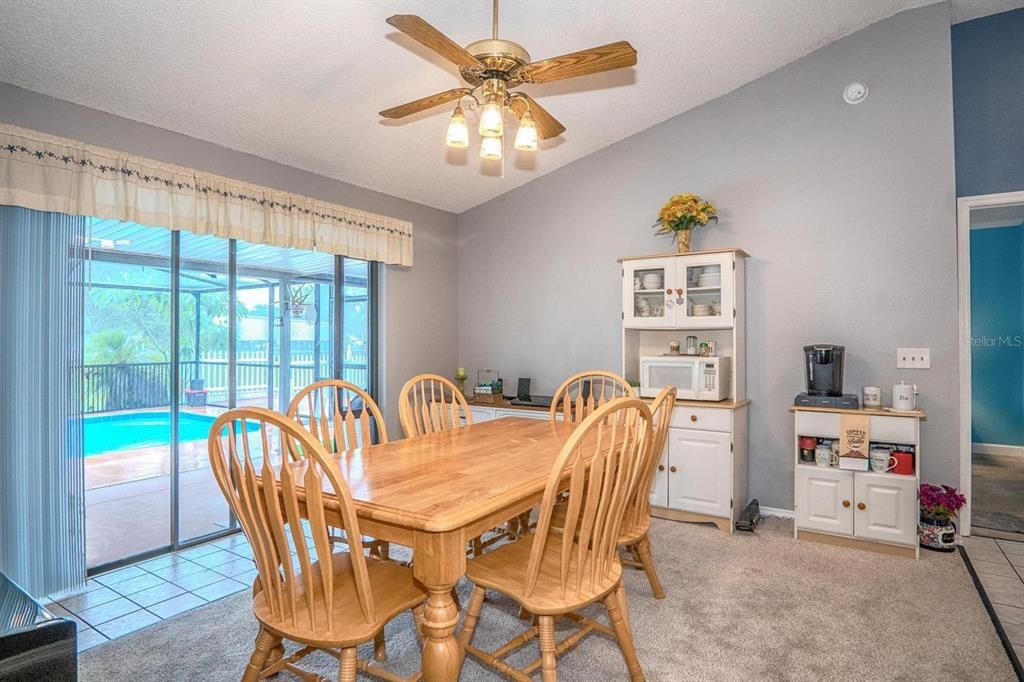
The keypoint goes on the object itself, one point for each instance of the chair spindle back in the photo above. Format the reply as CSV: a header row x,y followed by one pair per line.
x,y
615,439
300,591
340,415
638,512
430,403
582,393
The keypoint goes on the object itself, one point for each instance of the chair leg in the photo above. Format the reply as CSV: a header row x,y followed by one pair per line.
x,y
476,602
380,649
385,550
264,643
549,662
612,602
643,550
417,619
347,665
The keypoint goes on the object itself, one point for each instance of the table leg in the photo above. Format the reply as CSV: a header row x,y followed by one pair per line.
x,y
439,560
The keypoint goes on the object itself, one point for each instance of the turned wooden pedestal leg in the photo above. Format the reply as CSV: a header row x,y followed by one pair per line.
x,y
440,562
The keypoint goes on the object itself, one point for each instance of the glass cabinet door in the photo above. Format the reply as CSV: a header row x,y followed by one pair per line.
x,y
649,293
708,285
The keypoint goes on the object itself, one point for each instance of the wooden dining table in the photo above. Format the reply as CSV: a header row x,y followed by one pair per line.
x,y
436,492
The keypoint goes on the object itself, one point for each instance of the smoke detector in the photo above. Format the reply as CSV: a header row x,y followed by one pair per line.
x,y
855,92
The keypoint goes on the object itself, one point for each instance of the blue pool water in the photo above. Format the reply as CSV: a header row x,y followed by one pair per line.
x,y
143,429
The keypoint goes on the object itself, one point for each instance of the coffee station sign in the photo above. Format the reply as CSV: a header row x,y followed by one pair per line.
x,y
854,437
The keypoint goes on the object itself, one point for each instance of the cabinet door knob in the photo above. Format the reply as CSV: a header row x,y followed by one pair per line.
x,y
846,503
693,417
661,467
860,505
679,292
668,292
672,469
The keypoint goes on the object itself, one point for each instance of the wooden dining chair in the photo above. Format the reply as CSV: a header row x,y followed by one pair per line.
x,y
318,599
554,574
582,393
429,403
341,416
633,537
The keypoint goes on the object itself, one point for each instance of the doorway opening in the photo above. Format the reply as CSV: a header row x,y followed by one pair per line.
x,y
991,245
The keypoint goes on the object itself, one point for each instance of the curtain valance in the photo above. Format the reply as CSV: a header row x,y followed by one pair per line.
x,y
49,173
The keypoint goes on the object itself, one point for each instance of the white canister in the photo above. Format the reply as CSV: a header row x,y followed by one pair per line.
x,y
904,397
872,396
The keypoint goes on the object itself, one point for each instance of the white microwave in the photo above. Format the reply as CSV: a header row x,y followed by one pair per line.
x,y
695,377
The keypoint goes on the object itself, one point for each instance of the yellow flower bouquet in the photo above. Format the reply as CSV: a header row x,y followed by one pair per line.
x,y
682,213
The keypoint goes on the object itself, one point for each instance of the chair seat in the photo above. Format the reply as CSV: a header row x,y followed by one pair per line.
x,y
627,535
503,570
393,587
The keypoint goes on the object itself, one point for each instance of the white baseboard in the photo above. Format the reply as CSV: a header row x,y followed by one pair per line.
x,y
778,513
997,449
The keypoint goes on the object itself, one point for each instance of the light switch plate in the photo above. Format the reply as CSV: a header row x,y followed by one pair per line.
x,y
913,358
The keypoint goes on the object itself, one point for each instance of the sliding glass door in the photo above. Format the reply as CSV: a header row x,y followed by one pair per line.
x,y
179,328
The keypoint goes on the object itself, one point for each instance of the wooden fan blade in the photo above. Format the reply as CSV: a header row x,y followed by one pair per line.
x,y
425,34
595,60
403,110
547,125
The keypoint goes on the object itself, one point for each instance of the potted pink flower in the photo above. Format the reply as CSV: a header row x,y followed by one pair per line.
x,y
939,504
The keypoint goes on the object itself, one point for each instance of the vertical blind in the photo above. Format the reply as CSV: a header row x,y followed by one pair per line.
x,y
42,498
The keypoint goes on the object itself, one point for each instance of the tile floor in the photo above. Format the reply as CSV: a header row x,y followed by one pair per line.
x,y
131,598
1000,567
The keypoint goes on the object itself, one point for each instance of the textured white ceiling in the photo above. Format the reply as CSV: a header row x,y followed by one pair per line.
x,y
301,81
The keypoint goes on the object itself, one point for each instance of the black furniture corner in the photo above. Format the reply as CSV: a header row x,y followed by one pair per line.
x,y
34,644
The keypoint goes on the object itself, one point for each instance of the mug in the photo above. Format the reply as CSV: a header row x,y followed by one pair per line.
x,y
882,460
824,457
904,462
691,345
872,396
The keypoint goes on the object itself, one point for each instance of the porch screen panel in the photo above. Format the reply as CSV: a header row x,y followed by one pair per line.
x,y
42,539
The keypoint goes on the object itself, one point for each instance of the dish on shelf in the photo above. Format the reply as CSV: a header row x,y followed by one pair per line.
x,y
709,280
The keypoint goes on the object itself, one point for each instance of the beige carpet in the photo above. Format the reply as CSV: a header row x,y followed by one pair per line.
x,y
741,607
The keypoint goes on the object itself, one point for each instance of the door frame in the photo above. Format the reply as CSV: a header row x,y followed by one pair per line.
x,y
964,206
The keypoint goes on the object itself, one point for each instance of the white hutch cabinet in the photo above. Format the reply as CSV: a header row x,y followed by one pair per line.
x,y
702,475
865,509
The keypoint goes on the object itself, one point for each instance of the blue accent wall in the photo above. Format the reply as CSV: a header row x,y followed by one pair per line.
x,y
997,331
988,103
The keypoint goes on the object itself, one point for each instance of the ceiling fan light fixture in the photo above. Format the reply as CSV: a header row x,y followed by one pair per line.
x,y
458,132
492,119
526,136
490,148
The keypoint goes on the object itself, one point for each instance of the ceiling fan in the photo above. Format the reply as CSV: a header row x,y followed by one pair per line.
x,y
492,67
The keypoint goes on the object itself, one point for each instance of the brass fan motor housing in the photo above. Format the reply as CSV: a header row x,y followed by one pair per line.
x,y
500,59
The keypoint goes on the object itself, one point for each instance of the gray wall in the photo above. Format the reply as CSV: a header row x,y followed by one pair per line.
x,y
419,309
848,212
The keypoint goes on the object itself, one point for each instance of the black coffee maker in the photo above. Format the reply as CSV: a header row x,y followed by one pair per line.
x,y
823,371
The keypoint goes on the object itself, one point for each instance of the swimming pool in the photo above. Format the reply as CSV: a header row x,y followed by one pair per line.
x,y
129,430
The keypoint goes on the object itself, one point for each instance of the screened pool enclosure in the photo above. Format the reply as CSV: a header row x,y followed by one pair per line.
x,y
178,328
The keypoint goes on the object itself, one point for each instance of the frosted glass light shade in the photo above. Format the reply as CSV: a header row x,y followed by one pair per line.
x,y
490,148
458,132
526,136
491,124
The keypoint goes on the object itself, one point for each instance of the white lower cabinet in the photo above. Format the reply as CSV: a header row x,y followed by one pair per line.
x,y
700,471
526,414
659,486
824,500
481,414
886,508
869,506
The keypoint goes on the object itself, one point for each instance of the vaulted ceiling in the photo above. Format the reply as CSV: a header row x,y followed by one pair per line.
x,y
301,82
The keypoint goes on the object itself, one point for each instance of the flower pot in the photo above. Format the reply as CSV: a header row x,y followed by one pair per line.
x,y
683,241
937,533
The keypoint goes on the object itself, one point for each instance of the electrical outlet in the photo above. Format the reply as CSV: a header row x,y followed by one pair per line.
x,y
913,358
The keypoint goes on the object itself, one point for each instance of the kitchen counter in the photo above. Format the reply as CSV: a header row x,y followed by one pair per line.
x,y
871,411
720,404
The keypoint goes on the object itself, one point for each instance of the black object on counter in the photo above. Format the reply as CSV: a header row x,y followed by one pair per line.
x,y
823,369
34,644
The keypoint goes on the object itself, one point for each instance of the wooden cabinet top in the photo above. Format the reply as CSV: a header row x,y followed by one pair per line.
x,y
874,412
740,253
